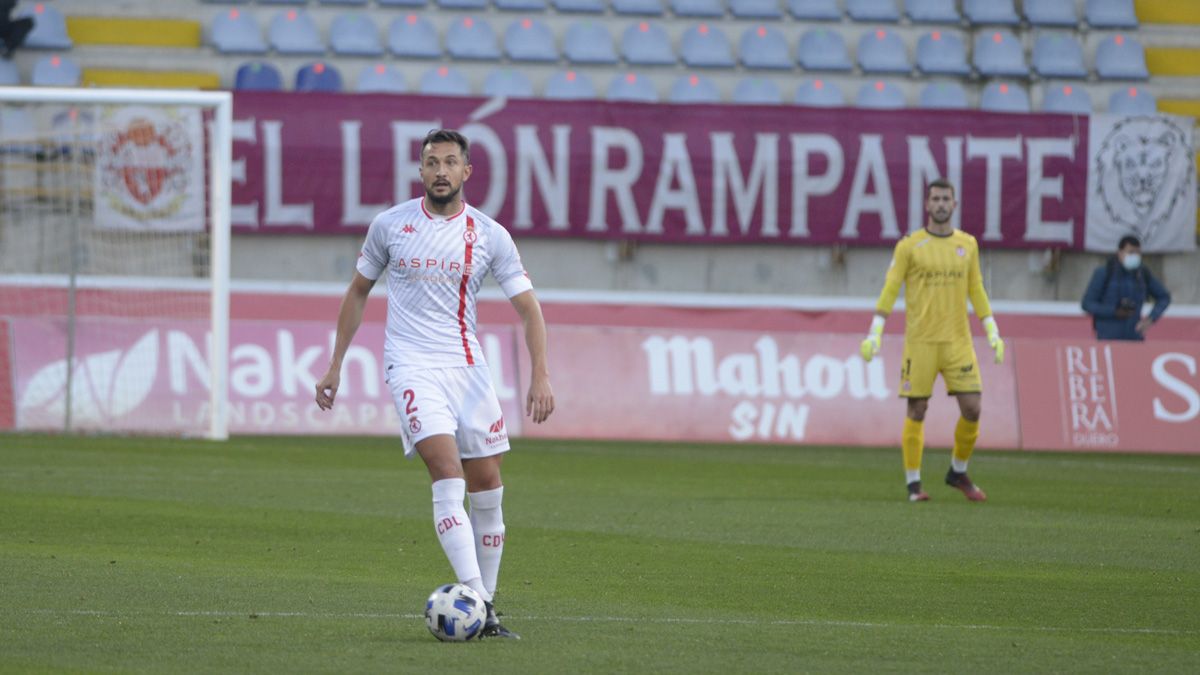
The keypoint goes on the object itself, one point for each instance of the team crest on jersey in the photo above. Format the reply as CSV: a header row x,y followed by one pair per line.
x,y
414,424
960,251
470,237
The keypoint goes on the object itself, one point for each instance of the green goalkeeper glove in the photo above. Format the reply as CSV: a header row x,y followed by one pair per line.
x,y
993,338
870,347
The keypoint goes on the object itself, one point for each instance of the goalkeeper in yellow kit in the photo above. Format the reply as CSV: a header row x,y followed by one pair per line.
x,y
939,266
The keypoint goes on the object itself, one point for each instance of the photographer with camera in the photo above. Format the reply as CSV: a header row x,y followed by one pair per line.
x,y
1117,291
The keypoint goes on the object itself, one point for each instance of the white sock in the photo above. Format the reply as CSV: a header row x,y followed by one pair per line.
x,y
959,465
454,532
487,519
910,476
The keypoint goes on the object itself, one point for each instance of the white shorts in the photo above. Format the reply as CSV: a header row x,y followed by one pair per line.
x,y
460,402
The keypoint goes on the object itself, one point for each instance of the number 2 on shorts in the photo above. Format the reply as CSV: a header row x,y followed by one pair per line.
x,y
409,396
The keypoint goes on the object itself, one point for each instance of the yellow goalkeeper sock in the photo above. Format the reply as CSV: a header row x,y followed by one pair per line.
x,y
912,443
965,435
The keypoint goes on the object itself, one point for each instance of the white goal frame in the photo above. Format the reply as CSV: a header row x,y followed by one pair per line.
x,y
219,206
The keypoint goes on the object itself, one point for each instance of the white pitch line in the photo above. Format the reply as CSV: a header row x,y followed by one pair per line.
x,y
832,623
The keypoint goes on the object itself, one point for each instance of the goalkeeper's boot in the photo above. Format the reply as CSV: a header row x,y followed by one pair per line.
x,y
492,627
915,493
963,482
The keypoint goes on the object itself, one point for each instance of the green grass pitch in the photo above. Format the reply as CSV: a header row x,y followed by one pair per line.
x,y
316,554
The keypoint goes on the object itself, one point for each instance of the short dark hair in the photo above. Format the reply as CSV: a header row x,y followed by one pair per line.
x,y
938,183
448,136
1129,240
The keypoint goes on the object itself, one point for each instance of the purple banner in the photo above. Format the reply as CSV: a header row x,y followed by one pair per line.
x,y
326,164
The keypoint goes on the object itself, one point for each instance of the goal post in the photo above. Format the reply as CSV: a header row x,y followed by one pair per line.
x,y
114,260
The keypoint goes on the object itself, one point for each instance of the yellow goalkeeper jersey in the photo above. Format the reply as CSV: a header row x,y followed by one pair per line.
x,y
939,272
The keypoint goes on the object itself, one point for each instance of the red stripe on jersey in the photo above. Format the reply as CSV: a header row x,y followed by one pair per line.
x,y
469,238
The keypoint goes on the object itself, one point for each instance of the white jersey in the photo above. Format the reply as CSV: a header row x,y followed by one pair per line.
x,y
435,266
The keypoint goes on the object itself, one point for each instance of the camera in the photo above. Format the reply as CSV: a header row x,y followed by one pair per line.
x,y
1126,308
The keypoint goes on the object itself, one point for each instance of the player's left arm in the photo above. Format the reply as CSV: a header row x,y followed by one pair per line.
x,y
983,307
539,402
510,273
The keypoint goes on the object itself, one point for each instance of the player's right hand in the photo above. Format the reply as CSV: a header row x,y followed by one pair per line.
x,y
327,389
869,347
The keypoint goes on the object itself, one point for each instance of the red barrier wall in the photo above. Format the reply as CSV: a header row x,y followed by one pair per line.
x,y
625,370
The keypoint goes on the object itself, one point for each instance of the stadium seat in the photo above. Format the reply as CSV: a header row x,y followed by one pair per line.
x,y
647,44
530,40
698,8
1120,57
236,31
402,3
536,6
508,83
343,2
354,35
882,51
815,10
462,4
258,76
55,71
944,96
589,42
1067,99
931,11
1058,56
1052,13
319,76
580,6
49,27
873,10
293,31
376,78
820,94
631,87
1004,97
706,46
18,133
414,37
1110,14
822,49
1002,12
755,9
472,38
694,89
9,75
570,85
880,95
942,53
639,7
1132,101
444,81
764,47
999,53
757,91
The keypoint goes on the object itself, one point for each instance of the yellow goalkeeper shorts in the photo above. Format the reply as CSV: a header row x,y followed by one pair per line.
x,y
924,360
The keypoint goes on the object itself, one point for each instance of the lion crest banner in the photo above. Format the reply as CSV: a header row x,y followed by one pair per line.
x,y
1141,181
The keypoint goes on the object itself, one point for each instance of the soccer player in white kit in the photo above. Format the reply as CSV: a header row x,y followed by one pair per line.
x,y
435,252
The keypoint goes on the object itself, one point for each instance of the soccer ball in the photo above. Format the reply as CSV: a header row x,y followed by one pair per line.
x,y
455,613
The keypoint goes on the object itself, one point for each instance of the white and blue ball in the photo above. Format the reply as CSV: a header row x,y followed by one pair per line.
x,y
455,613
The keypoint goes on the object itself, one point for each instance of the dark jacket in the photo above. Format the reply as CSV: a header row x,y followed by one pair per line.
x,y
1111,286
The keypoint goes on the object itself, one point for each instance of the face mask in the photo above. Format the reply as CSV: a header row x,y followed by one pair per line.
x,y
1132,261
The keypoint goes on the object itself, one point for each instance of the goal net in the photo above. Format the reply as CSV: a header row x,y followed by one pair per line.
x,y
114,261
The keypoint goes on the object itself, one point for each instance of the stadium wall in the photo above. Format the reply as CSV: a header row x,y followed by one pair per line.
x,y
625,366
